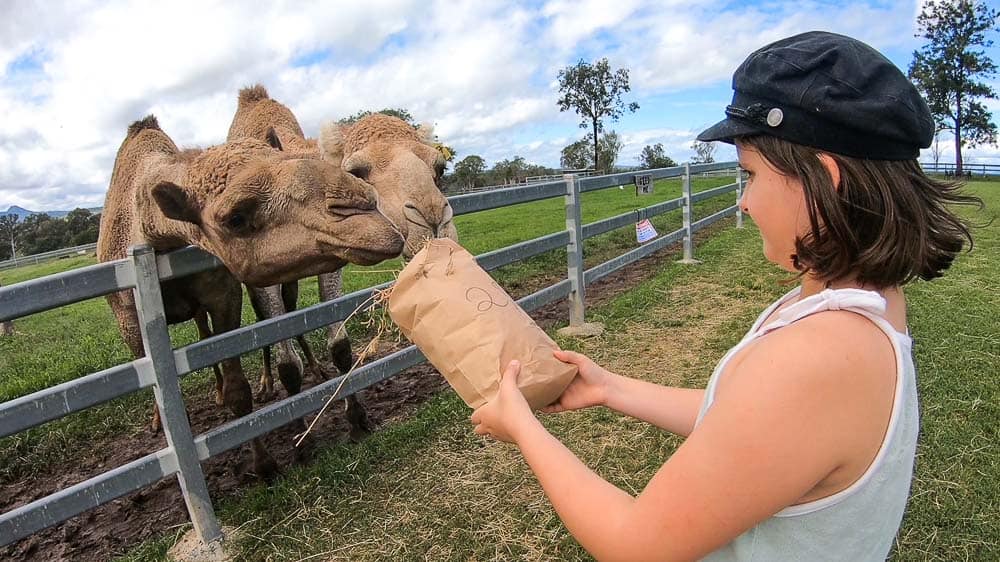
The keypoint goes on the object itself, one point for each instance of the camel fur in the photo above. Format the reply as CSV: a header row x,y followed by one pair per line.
x,y
257,113
269,217
405,168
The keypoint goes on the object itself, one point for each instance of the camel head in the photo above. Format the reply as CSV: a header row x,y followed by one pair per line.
x,y
404,169
272,218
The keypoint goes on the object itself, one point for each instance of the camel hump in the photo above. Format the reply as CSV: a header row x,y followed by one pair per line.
x,y
147,122
252,94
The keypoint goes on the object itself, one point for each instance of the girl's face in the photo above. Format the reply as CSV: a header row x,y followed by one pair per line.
x,y
777,205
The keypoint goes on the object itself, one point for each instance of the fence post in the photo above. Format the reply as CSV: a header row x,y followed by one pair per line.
x,y
739,197
574,251
688,234
173,416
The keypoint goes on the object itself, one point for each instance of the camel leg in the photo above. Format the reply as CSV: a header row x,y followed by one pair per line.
x,y
337,345
122,305
290,372
266,303
340,352
204,331
312,366
266,391
290,302
236,392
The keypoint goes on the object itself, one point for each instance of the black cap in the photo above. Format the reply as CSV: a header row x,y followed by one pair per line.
x,y
829,92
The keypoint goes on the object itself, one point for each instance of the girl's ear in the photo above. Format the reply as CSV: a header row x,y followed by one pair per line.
x,y
831,168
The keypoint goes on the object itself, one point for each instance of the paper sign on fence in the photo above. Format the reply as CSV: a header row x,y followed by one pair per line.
x,y
644,231
469,328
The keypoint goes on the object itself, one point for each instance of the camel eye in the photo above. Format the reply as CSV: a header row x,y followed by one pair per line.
x,y
236,221
360,171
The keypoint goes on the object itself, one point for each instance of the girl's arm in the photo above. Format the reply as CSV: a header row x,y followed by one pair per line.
x,y
788,415
670,408
667,407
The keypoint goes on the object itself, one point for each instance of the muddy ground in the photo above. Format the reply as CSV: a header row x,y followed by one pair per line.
x,y
114,528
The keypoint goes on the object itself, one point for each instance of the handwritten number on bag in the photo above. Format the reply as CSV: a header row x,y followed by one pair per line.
x,y
483,299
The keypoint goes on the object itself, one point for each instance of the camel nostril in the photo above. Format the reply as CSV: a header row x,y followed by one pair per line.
x,y
413,215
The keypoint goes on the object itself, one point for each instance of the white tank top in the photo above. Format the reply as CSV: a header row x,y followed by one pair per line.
x,y
860,522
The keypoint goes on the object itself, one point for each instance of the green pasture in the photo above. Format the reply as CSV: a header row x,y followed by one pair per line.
x,y
427,488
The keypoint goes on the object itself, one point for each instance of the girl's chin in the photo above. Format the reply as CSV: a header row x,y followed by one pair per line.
x,y
780,259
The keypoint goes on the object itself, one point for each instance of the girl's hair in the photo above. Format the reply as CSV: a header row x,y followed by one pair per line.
x,y
887,224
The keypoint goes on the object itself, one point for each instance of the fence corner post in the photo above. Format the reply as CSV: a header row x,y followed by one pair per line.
x,y
739,196
574,264
686,211
167,391
574,251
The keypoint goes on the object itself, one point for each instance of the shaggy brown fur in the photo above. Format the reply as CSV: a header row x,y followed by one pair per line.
x,y
257,113
415,188
404,168
266,216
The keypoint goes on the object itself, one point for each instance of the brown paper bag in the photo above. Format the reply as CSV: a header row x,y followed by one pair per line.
x,y
469,328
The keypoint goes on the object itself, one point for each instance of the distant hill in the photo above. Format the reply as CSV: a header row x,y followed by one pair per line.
x,y
22,212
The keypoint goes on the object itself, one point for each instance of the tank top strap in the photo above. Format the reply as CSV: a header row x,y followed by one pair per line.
x,y
869,303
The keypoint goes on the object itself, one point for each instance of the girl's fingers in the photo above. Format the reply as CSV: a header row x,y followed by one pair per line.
x,y
513,369
480,430
565,356
570,357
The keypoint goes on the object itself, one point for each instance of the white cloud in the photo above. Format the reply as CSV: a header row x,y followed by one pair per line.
x,y
73,75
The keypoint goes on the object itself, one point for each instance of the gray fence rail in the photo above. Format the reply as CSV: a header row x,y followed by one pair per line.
x,y
162,367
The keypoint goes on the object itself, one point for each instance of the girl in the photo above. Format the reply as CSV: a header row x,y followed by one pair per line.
x,y
802,445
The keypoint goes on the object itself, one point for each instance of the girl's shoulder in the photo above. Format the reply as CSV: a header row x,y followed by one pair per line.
x,y
833,350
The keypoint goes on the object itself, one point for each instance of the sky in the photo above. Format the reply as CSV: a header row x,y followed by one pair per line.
x,y
74,74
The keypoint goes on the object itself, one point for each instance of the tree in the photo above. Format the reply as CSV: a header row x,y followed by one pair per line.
x,y
509,171
594,92
41,233
609,148
82,227
655,157
8,233
392,112
469,170
936,149
577,156
949,69
704,152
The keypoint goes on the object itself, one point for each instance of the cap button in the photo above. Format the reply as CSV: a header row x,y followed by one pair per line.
x,y
774,117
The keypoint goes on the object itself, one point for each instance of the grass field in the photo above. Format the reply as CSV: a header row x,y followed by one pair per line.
x,y
427,488
63,344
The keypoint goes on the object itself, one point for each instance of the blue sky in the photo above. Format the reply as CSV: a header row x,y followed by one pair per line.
x,y
75,74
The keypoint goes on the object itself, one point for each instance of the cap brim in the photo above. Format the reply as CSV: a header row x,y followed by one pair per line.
x,y
727,130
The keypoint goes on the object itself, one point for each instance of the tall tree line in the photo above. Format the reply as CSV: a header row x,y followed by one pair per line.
x,y
42,233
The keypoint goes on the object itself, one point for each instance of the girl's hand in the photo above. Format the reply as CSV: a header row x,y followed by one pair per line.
x,y
589,387
502,417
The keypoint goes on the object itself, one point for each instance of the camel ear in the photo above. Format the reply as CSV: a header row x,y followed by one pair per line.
x,y
331,143
272,139
174,202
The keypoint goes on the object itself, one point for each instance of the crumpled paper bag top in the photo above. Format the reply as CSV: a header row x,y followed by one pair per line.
x,y
469,328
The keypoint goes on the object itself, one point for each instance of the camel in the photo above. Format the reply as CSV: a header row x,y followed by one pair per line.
x,y
270,217
405,179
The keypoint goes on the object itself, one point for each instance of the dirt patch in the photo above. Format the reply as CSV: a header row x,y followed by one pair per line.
x,y
113,528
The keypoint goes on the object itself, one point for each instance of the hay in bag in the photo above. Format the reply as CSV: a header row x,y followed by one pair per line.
x,y
469,328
